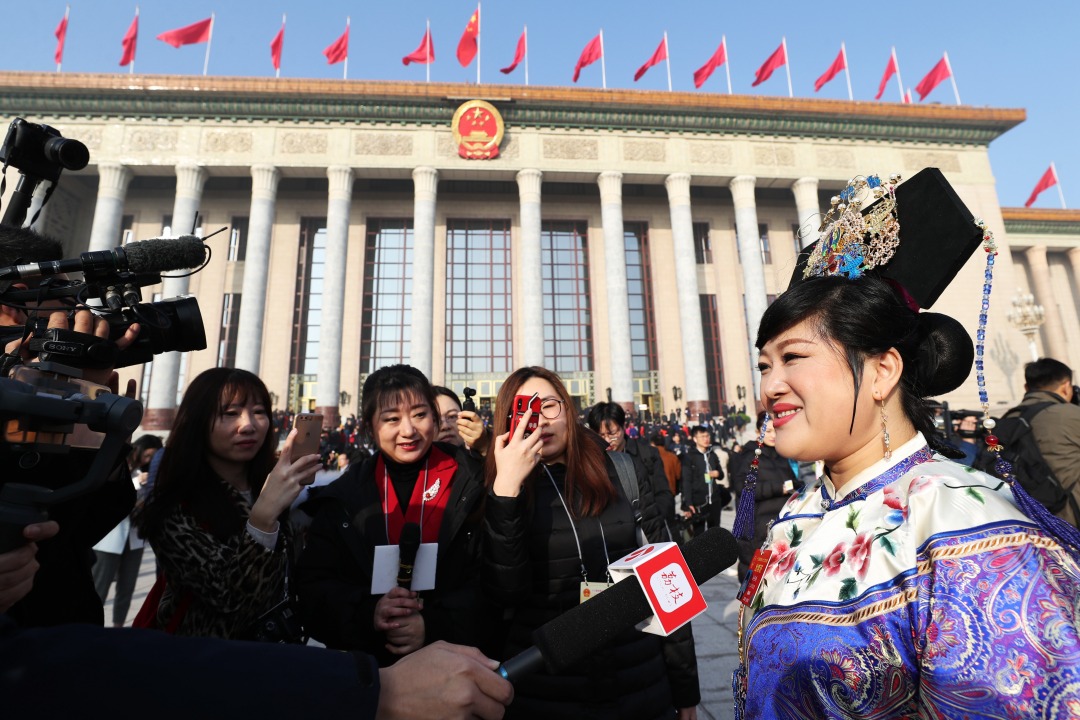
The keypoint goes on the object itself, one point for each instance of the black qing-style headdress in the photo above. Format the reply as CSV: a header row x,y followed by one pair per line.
x,y
916,236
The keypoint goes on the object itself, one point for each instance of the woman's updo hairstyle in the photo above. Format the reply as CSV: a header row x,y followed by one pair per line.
x,y
866,317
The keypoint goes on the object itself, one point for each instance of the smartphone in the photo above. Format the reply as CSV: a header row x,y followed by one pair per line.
x,y
308,431
521,404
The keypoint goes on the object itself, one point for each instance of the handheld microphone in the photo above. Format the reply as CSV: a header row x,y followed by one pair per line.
x,y
143,256
408,544
581,631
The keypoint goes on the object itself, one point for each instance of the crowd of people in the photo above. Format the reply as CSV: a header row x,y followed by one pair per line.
x,y
881,579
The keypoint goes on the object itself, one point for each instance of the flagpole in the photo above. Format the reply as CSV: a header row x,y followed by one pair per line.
x,y
667,53
478,21
787,66
209,42
1057,182
345,70
131,65
277,71
899,82
847,72
427,43
727,62
526,54
603,64
67,11
952,78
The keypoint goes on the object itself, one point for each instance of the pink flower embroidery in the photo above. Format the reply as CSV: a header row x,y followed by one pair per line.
x,y
859,554
785,559
918,484
834,560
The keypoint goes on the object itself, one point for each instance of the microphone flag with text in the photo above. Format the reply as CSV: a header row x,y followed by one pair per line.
x,y
582,630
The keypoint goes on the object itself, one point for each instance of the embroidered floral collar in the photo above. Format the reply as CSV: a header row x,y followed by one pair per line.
x,y
828,504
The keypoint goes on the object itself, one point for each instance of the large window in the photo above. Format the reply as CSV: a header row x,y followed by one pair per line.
x,y
564,258
702,244
639,294
387,309
238,232
766,247
230,323
478,297
714,359
307,307
127,232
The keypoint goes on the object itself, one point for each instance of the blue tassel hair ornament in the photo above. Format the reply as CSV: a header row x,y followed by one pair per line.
x,y
1067,535
744,513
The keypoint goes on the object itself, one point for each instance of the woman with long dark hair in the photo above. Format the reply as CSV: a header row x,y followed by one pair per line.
x,y
215,517
410,480
556,518
902,584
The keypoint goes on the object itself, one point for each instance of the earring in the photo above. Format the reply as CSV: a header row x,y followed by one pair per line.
x,y
885,430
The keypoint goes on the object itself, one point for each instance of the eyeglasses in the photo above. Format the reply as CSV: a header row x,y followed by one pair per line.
x,y
551,409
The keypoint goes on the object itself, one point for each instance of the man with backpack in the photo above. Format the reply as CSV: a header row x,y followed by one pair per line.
x,y
1048,408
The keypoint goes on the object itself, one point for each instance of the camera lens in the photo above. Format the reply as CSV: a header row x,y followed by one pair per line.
x,y
70,154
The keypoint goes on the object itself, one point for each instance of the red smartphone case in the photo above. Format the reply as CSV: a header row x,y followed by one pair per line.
x,y
521,403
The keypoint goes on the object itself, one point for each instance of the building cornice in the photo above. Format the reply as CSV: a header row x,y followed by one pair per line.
x,y
112,96
1041,221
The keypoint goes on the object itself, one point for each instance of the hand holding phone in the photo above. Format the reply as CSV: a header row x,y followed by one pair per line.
x,y
308,428
521,404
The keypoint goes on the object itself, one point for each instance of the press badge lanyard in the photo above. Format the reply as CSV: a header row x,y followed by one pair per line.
x,y
404,508
587,589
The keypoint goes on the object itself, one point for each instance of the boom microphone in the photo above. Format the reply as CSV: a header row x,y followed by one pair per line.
x,y
581,631
142,256
408,544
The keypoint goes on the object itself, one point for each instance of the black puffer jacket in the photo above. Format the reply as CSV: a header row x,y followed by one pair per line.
x,y
769,496
334,573
532,567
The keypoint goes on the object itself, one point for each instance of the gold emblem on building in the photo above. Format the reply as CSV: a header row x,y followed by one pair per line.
x,y
478,130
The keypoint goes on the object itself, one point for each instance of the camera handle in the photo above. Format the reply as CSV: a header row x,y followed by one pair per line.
x,y
21,503
20,201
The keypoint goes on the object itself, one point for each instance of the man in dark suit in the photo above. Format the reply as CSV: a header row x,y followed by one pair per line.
x,y
703,497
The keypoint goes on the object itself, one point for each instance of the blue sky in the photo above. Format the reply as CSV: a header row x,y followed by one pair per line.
x,y
1004,54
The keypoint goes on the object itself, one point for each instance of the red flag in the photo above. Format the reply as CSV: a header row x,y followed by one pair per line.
x,y
890,70
466,47
1048,180
519,55
61,36
128,43
933,78
776,60
275,47
702,73
840,63
592,52
907,96
423,55
657,57
192,34
338,51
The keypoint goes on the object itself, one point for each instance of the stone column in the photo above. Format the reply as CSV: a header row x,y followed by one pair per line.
x,y
113,181
618,304
529,269
425,183
696,386
333,296
165,376
753,269
806,205
1053,329
264,182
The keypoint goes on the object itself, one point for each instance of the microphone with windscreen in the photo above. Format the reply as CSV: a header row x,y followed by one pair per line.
x,y
581,631
408,544
143,256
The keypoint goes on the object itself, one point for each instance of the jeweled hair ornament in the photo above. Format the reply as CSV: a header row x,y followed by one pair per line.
x,y
853,242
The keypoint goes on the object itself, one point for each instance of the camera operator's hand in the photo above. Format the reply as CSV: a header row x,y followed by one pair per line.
x,y
515,457
472,431
283,485
397,615
443,681
18,567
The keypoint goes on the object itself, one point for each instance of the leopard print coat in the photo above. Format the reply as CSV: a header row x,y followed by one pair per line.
x,y
230,583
